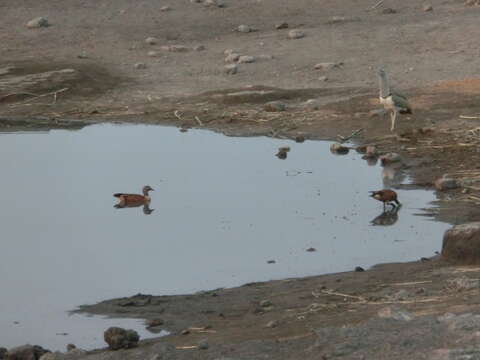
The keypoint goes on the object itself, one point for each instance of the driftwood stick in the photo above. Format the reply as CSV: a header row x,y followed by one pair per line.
x,y
199,121
353,134
376,5
54,93
177,115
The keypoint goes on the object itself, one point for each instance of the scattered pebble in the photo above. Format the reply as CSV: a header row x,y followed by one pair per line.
x,y
151,40
275,106
140,66
299,138
185,332
395,313
233,57
203,344
311,249
446,183
337,148
323,78
359,269
231,69
389,11
272,324
199,48
165,8
244,28
296,34
282,25
327,66
38,22
118,338
265,303
153,53
174,48
246,59
427,7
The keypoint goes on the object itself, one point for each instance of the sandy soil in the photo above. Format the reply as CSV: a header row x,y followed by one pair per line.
x,y
431,56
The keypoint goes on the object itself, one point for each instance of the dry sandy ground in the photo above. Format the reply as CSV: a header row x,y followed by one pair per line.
x,y
432,56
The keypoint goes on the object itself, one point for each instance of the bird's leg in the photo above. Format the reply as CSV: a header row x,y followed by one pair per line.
x,y
383,207
393,116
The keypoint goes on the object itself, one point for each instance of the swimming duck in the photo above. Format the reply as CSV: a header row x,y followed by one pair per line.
x,y
133,200
386,196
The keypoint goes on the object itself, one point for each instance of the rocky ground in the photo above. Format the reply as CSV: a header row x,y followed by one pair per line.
x,y
216,64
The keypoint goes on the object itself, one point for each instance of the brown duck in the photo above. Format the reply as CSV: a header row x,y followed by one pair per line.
x,y
386,196
133,200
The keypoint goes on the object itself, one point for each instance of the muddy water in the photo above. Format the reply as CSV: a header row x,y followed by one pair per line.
x,y
223,207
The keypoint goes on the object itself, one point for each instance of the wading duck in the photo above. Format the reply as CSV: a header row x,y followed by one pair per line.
x,y
392,101
133,200
386,196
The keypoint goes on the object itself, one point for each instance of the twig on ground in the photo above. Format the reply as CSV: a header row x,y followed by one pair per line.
x,y
376,5
343,139
186,347
54,93
176,113
20,93
469,117
199,121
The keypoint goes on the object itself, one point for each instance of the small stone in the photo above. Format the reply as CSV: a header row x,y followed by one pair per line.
x,y
244,28
217,3
311,249
70,347
388,11
282,25
231,69
342,19
311,104
153,53
427,7
165,8
390,158
265,303
299,138
272,324
271,262
246,59
151,40
323,78
26,352
395,313
337,148
400,295
275,106
446,183
461,244
359,269
199,48
203,344
174,48
281,155
140,66
155,322
296,34
233,57
118,338
265,57
185,332
38,22
370,152
327,66
227,52
284,148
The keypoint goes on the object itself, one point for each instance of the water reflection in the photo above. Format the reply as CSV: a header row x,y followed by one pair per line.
x,y
393,175
387,217
145,207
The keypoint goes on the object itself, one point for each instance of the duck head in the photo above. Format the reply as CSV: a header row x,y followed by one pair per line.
x,y
146,189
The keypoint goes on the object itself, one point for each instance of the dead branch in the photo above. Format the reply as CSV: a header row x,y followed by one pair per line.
x,y
376,5
469,117
198,121
343,139
54,93
176,113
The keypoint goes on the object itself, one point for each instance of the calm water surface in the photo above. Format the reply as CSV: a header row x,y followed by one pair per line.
x,y
222,207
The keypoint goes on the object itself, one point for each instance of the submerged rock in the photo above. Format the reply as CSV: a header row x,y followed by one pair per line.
x,y
446,183
337,148
118,338
461,244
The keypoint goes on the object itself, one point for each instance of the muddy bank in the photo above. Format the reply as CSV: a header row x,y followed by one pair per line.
x,y
388,312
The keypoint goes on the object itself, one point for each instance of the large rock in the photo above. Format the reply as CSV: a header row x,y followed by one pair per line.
x,y
38,22
118,338
26,352
461,244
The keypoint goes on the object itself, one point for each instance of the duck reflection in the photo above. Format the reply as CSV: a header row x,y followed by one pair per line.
x,y
387,218
145,207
